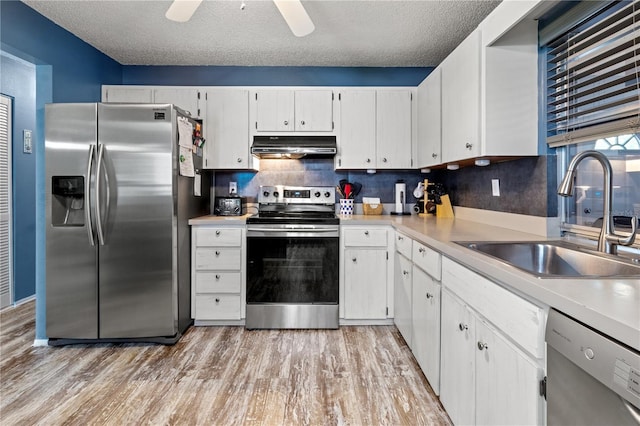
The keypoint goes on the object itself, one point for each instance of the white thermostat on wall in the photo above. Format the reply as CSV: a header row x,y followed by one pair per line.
x,y
26,138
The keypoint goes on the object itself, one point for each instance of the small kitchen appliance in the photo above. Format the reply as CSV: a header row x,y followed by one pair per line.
x,y
293,259
400,199
230,206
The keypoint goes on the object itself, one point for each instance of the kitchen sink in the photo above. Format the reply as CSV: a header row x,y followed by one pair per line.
x,y
556,259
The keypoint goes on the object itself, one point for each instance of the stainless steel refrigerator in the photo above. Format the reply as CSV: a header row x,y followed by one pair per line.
x,y
117,234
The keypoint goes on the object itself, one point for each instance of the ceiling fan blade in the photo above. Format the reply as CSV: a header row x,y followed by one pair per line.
x,y
182,10
296,16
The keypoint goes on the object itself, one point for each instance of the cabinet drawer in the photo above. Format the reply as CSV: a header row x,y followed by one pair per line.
x,y
218,237
363,237
218,307
516,317
218,282
403,245
427,259
218,258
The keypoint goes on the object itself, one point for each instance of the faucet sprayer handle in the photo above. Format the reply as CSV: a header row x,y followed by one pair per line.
x,y
616,239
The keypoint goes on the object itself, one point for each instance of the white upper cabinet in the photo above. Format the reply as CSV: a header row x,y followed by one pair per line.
x,y
357,141
226,128
184,98
127,94
394,129
461,101
293,111
429,116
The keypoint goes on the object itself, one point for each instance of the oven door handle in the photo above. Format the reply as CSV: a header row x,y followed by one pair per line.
x,y
290,230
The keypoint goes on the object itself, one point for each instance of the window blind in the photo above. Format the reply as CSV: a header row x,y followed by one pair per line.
x,y
593,85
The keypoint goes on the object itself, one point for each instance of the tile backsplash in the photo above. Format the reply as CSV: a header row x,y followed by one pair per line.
x,y
527,185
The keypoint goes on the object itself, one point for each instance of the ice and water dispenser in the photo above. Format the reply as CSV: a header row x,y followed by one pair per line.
x,y
67,207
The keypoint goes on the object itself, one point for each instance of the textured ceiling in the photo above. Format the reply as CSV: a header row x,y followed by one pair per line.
x,y
370,33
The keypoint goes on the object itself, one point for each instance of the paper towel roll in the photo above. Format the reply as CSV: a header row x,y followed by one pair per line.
x,y
401,191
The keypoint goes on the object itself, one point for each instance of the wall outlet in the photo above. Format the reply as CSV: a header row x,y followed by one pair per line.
x,y
233,188
495,187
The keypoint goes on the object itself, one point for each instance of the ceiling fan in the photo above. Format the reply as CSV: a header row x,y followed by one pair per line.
x,y
291,10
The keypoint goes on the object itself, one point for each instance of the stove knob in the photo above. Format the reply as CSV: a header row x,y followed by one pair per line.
x,y
265,193
276,194
317,194
327,194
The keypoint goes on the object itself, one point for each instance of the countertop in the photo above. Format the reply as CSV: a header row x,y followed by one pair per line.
x,y
610,305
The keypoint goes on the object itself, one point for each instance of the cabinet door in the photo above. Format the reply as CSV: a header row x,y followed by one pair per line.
x,y
186,99
461,101
506,382
426,326
314,111
227,130
402,298
128,95
457,374
365,287
357,142
393,129
274,110
429,115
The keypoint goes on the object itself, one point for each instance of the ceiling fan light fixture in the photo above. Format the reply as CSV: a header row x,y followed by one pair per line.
x,y
296,17
182,10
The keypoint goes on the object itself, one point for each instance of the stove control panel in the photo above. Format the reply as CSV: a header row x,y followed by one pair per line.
x,y
297,194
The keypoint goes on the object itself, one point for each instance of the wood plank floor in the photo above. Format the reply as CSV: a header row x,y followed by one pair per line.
x,y
215,376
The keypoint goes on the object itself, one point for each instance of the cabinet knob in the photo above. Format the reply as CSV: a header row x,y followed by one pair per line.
x,y
366,232
217,276
463,327
354,260
217,253
302,122
482,346
434,155
217,300
239,160
429,295
368,160
400,238
468,145
218,232
421,250
286,123
384,160
405,272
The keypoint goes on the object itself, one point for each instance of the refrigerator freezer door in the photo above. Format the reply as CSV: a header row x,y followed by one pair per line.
x,y
137,293
71,265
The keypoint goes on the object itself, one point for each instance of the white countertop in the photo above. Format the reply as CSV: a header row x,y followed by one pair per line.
x,y
609,305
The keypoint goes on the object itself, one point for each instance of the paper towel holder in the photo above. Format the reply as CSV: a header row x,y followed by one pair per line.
x,y
400,199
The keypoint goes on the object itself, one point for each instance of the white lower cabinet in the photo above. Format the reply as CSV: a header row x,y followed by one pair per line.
x,y
486,376
426,325
218,283
365,269
402,298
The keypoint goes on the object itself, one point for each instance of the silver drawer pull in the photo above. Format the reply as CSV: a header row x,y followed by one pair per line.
x,y
482,346
405,272
463,327
429,295
217,232
217,300
366,232
354,259
421,250
217,253
217,276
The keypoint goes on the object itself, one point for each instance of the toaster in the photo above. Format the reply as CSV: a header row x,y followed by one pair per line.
x,y
230,206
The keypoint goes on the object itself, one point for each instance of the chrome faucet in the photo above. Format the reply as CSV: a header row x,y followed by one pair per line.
x,y
608,241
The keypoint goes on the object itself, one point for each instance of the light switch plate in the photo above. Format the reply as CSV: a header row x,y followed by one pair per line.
x,y
495,187
26,141
233,188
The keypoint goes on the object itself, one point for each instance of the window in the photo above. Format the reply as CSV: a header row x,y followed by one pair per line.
x,y
593,103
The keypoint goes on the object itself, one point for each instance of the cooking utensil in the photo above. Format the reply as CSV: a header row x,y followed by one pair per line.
x,y
355,189
347,190
339,189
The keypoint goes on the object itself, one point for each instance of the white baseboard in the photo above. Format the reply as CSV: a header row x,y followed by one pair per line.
x,y
348,322
40,342
544,226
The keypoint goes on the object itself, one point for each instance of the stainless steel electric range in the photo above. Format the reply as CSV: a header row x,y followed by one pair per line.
x,y
293,259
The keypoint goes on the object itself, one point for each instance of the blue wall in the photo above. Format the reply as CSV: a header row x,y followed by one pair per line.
x,y
273,76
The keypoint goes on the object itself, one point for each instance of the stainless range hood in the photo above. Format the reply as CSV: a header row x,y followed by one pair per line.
x,y
293,146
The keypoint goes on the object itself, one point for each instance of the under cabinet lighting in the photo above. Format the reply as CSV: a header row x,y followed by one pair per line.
x,y
453,166
482,162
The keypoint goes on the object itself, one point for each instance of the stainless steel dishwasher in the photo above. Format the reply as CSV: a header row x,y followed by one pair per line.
x,y
591,378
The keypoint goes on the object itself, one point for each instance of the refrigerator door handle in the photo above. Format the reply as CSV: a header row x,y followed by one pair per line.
x,y
87,191
98,208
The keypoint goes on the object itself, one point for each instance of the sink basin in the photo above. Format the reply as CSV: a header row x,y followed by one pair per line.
x,y
556,259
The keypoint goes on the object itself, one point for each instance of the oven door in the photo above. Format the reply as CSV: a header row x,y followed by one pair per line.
x,y
292,276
